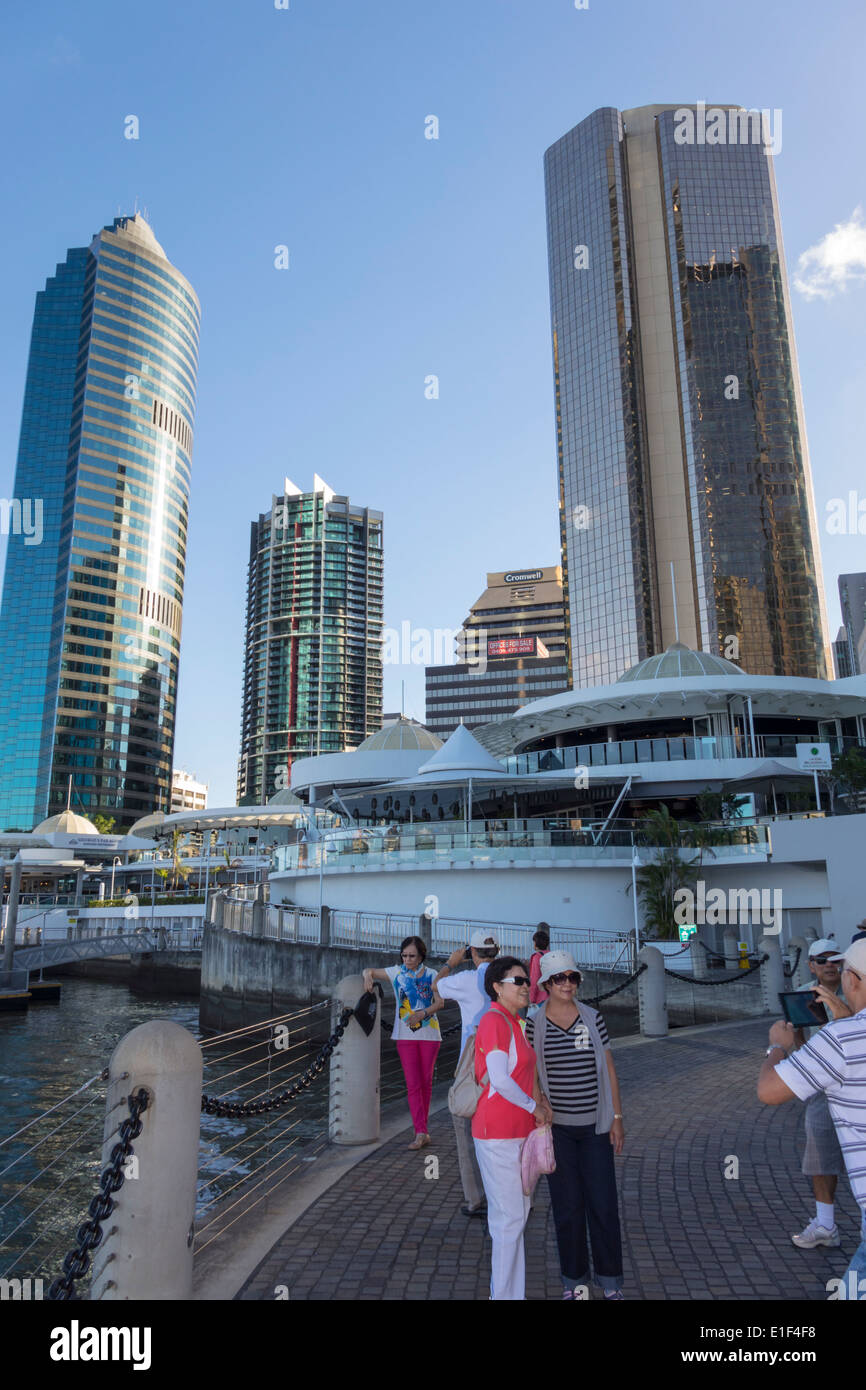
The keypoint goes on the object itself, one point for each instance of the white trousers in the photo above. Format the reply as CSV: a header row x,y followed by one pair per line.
x,y
507,1213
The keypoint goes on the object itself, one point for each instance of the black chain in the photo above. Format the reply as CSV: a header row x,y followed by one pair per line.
x,y
791,970
236,1110
728,980
597,998
89,1235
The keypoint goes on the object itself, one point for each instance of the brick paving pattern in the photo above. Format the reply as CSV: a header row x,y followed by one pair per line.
x,y
384,1231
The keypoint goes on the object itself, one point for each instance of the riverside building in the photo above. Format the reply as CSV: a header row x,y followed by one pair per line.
x,y
512,649
680,430
539,815
313,650
93,594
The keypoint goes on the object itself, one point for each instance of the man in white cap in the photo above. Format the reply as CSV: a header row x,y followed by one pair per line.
x,y
822,1159
832,1062
467,988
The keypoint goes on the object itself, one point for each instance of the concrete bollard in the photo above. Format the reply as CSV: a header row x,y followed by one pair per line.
x,y
353,1116
698,956
773,982
651,993
801,975
147,1250
732,954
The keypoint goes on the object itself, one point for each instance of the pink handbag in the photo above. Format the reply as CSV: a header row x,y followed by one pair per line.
x,y
536,1157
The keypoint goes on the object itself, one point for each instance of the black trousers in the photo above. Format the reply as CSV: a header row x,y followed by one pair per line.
x,y
583,1190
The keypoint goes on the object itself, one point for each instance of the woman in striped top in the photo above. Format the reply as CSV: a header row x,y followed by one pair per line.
x,y
576,1073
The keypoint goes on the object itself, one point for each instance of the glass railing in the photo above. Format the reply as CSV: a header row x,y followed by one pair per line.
x,y
663,750
366,849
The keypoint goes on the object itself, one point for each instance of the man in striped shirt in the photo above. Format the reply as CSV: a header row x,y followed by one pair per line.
x,y
833,1061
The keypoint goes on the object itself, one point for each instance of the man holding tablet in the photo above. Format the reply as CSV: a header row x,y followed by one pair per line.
x,y
832,1063
822,1159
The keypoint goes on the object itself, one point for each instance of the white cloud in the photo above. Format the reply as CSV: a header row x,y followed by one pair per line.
x,y
836,262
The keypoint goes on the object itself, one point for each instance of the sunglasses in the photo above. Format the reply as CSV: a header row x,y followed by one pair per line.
x,y
566,977
518,980
823,960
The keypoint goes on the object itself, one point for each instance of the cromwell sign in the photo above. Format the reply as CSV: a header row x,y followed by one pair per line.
x,y
522,576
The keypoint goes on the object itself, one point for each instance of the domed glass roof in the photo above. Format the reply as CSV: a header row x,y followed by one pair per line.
x,y
678,661
66,823
403,734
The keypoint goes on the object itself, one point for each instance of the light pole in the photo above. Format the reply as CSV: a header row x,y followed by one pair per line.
x,y
114,863
634,863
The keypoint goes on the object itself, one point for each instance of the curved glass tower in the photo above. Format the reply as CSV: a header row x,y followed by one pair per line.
x,y
93,594
680,426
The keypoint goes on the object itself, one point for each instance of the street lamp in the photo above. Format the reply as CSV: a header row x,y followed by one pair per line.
x,y
114,863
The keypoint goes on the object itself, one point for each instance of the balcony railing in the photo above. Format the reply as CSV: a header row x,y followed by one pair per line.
x,y
398,848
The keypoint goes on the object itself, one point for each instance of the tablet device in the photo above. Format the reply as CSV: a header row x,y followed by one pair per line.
x,y
802,1009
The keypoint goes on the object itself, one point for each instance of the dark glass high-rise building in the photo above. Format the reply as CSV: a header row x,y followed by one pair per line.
x,y
313,652
92,600
852,597
680,430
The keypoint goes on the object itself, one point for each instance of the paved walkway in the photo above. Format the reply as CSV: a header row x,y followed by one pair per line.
x,y
385,1230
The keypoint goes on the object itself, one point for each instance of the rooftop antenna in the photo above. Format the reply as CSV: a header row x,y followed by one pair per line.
x,y
674,592
402,699
69,794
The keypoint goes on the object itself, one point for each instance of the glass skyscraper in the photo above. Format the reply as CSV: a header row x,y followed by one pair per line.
x,y
92,599
680,431
852,597
313,654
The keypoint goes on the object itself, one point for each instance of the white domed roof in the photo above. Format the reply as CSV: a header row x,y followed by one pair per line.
x,y
403,734
66,823
678,661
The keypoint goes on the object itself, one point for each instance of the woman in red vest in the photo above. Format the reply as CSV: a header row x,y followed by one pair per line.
x,y
511,1105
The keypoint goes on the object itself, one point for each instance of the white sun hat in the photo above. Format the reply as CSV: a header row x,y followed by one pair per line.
x,y
554,962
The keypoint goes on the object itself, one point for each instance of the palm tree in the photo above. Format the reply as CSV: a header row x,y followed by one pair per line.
x,y
659,880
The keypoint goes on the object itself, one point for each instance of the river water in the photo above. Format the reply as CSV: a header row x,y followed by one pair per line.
x,y
50,1172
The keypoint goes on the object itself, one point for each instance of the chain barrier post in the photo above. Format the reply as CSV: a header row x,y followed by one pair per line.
x,y
699,958
773,982
651,993
147,1251
353,1116
731,949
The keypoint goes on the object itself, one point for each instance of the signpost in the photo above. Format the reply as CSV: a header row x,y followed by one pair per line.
x,y
815,758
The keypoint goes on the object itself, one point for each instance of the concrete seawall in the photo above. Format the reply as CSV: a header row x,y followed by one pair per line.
x,y
248,978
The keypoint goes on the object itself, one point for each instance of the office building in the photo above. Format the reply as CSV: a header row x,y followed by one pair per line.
x,y
512,649
313,654
680,430
93,593
852,596
187,794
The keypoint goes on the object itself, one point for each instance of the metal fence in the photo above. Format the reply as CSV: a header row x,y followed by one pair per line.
x,y
383,931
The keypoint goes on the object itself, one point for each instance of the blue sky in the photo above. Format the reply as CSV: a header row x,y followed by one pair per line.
x,y
408,257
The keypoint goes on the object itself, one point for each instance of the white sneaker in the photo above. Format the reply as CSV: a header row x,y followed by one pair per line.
x,y
816,1234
